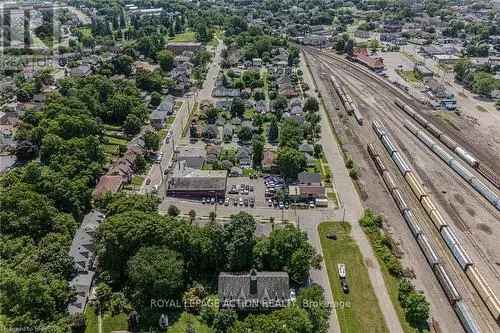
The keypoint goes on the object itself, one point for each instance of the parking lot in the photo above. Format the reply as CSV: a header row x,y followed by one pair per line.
x,y
259,192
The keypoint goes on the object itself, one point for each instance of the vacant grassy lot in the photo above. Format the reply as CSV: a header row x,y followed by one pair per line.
x,y
408,76
188,36
109,323
185,321
362,312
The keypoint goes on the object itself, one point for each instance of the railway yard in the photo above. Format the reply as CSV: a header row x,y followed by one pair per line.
x,y
435,184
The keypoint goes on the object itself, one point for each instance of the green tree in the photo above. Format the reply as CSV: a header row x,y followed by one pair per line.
x,y
151,141
116,203
239,237
155,99
237,107
280,104
312,299
417,309
156,273
103,294
245,133
273,130
166,60
291,133
349,47
132,125
122,64
484,83
224,320
311,104
173,210
288,249
258,152
291,162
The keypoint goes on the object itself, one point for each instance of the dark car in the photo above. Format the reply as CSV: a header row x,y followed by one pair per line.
x,y
252,202
245,202
345,287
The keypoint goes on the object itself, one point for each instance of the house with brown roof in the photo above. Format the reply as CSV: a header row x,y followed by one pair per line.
x,y
108,183
269,157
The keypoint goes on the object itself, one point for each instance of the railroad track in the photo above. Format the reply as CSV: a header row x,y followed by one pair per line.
x,y
361,75
364,74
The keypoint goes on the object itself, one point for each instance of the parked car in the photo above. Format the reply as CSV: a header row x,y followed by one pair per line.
x,y
286,205
241,201
252,202
203,200
245,202
281,206
311,204
344,285
233,190
235,202
226,203
212,200
251,188
148,181
221,201
269,203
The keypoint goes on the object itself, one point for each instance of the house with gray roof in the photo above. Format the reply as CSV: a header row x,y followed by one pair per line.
x,y
158,117
253,290
83,252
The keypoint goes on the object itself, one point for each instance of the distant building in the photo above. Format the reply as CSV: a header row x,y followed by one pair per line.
x,y
81,71
446,59
374,63
423,71
179,47
253,290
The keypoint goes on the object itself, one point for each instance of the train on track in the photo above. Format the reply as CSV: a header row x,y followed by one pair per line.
x,y
430,254
476,183
452,145
489,298
350,106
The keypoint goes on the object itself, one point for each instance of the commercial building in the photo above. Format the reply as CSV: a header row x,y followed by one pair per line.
x,y
195,184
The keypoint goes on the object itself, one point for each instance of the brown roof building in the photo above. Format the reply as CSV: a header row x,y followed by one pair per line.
x,y
106,184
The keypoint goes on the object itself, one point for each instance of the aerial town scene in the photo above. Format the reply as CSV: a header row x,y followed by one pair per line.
x,y
244,166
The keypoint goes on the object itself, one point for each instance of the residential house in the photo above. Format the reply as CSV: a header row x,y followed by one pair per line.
x,y
269,157
244,156
81,71
309,178
261,107
158,117
254,290
83,252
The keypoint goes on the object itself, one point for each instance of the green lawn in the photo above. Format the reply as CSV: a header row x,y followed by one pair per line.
x,y
188,36
185,320
116,141
109,323
137,180
362,312
408,76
